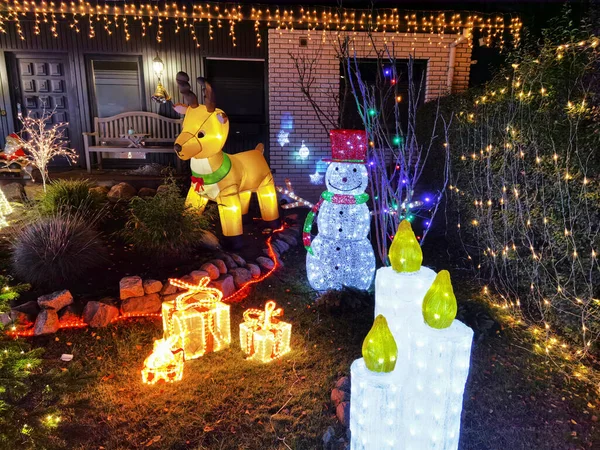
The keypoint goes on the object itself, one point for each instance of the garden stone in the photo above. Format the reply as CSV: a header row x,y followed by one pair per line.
x,y
290,240
14,192
57,300
186,279
254,270
168,289
292,217
197,275
106,183
212,270
266,263
68,315
122,191
146,304
99,314
30,308
338,396
240,276
146,192
209,240
343,384
14,317
169,297
33,191
152,286
293,231
329,439
162,188
268,253
238,259
342,412
228,260
220,265
99,191
131,287
283,246
225,284
46,322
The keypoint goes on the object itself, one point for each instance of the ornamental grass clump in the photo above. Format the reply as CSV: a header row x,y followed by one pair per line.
x,y
72,195
52,250
164,224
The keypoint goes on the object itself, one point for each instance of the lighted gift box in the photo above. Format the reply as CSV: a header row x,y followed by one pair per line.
x,y
262,336
197,321
163,363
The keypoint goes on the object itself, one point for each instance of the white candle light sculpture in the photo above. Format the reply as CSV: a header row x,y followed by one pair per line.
x,y
426,388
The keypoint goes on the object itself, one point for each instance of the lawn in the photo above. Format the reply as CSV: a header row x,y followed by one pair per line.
x,y
513,400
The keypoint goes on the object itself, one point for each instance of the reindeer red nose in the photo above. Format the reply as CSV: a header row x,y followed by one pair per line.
x,y
344,179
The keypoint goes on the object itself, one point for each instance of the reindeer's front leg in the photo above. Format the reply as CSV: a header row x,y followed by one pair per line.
x,y
230,213
196,200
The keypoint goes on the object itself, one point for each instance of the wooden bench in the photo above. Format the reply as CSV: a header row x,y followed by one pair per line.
x,y
108,132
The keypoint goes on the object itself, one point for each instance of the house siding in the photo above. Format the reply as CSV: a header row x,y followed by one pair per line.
x,y
286,100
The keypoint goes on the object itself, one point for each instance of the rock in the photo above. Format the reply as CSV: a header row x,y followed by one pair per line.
x,y
34,191
99,191
131,287
99,314
69,315
186,279
228,260
146,192
288,238
162,188
14,192
57,300
338,396
343,384
254,270
238,259
169,297
329,439
212,270
168,289
106,183
225,284
240,276
292,217
30,308
209,240
14,317
268,253
46,322
146,304
265,263
122,191
342,412
197,275
283,246
220,265
152,286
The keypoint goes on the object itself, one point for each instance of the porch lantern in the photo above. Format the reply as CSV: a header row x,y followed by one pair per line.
x,y
160,93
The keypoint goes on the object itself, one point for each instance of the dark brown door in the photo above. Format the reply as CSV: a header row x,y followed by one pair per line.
x,y
42,86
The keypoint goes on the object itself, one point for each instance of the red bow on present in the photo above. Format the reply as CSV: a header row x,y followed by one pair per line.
x,y
199,183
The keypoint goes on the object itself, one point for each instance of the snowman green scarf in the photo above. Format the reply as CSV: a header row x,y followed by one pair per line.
x,y
328,196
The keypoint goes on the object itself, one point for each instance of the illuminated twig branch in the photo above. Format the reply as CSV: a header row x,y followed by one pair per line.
x,y
289,191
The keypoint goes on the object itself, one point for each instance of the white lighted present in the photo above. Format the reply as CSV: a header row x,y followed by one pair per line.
x,y
197,320
263,337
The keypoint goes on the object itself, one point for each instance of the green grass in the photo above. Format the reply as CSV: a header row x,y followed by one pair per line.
x,y
514,399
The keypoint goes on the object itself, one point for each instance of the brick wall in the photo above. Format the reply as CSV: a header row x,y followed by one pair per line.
x,y
291,112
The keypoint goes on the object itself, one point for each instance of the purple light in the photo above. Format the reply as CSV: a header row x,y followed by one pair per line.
x,y
404,181
427,199
371,163
427,223
386,72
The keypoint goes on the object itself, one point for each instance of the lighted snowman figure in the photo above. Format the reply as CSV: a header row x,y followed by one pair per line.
x,y
341,253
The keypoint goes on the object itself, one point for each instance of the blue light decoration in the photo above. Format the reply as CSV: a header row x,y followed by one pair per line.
x,y
283,138
316,178
303,152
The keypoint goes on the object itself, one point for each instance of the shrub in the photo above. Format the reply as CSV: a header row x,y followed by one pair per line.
x,y
57,248
163,224
70,195
525,186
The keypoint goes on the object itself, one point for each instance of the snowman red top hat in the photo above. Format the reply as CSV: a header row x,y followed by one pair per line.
x,y
349,146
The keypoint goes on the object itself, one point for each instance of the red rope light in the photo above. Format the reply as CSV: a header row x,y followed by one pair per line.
x,y
237,296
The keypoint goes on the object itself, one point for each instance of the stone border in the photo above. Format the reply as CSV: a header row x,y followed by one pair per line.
x,y
229,273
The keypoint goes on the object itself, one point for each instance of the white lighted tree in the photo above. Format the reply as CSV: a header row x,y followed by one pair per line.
x,y
43,141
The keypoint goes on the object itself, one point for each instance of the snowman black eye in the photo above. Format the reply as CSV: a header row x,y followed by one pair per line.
x,y
354,170
336,169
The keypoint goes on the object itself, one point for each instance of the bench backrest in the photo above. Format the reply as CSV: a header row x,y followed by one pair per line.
x,y
158,128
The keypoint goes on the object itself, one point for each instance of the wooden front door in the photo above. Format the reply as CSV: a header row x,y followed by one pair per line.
x,y
41,85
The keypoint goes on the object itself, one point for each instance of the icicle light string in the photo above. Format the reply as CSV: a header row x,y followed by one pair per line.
x,y
494,28
531,200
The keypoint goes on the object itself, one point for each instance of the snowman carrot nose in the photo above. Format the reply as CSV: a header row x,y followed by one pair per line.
x,y
344,179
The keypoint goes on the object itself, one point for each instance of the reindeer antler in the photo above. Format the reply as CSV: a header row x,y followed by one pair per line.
x,y
189,97
210,100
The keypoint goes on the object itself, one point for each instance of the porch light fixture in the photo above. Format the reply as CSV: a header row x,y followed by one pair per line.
x,y
160,93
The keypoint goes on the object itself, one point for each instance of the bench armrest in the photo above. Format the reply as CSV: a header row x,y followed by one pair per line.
x,y
87,133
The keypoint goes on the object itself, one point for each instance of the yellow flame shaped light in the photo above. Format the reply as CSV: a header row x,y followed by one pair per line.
x,y
405,252
439,304
379,347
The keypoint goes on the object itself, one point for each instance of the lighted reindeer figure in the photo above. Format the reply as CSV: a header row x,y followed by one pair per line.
x,y
228,180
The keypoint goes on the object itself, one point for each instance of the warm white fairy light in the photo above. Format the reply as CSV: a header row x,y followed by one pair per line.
x,y
43,141
288,190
